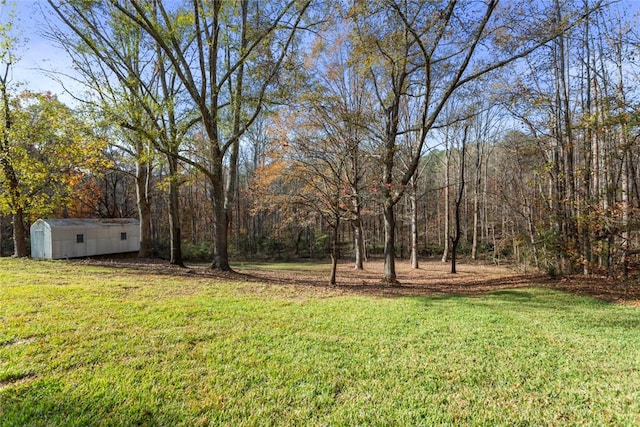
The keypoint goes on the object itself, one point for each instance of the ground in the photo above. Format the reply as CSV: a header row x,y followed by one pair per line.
x,y
140,342
432,278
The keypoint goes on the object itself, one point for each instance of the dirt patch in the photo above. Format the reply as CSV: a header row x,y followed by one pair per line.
x,y
430,278
433,277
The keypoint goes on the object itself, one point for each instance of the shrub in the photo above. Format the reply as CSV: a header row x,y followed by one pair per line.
x,y
202,251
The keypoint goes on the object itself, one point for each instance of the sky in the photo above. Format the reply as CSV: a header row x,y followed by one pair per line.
x,y
40,57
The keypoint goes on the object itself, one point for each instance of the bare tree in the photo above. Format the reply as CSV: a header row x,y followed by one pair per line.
x,y
338,103
424,54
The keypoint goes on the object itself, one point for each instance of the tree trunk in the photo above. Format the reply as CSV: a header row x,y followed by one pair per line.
x,y
175,229
476,215
456,238
19,231
532,238
624,187
19,234
476,202
232,169
335,251
389,245
358,236
388,201
445,252
356,201
454,251
413,205
220,221
232,179
568,145
144,207
588,171
625,148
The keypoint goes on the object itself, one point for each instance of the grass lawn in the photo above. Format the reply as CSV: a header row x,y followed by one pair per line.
x,y
85,345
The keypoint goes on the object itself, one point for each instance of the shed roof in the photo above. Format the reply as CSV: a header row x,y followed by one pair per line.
x,y
89,222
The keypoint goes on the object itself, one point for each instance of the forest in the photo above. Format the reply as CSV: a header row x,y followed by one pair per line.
x,y
491,130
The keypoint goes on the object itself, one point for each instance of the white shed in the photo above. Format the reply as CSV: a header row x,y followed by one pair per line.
x,y
75,238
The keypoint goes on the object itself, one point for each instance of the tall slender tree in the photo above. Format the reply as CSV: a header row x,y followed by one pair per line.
x,y
455,238
11,182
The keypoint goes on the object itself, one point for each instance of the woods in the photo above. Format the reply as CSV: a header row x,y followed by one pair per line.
x,y
461,130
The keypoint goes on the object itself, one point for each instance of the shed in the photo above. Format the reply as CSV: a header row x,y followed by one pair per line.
x,y
75,238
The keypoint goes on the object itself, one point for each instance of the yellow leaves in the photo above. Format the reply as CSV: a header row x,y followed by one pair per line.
x,y
183,20
317,49
49,149
264,179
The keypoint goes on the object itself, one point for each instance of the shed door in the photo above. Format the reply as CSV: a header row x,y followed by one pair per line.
x,y
38,248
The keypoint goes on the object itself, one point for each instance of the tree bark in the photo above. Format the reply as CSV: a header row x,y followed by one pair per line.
x,y
144,207
356,201
389,198
587,154
456,238
335,251
358,236
232,169
389,245
175,229
413,205
447,155
220,222
19,234
476,201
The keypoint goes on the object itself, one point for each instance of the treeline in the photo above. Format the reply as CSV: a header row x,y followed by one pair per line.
x,y
279,129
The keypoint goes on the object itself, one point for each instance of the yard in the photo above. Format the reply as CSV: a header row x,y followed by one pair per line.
x,y
129,343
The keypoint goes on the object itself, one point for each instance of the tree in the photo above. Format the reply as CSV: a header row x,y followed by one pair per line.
x,y
276,191
321,171
46,150
455,239
233,45
325,157
486,123
136,90
521,163
44,146
573,98
337,115
423,54
10,179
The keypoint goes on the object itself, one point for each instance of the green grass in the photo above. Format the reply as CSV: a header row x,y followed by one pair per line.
x,y
96,346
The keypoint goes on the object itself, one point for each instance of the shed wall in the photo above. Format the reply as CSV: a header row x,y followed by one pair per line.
x,y
51,241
